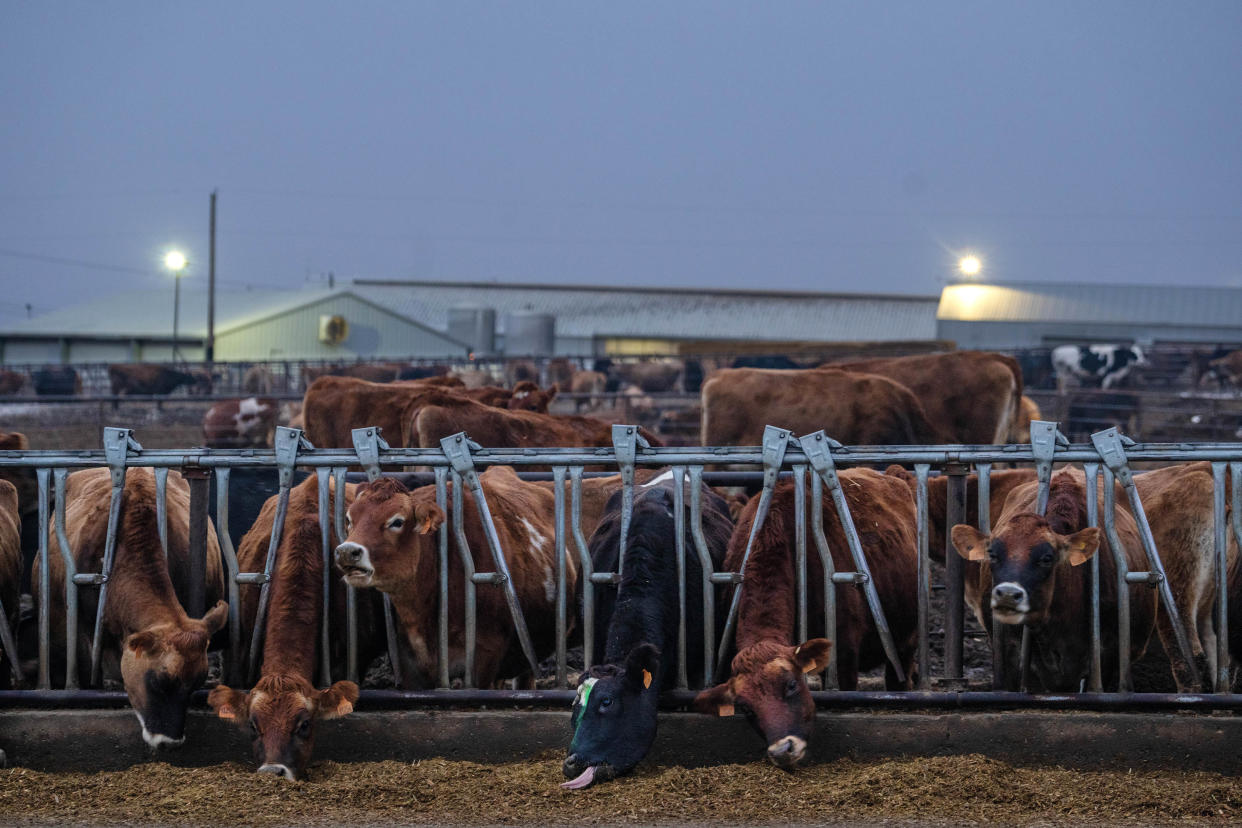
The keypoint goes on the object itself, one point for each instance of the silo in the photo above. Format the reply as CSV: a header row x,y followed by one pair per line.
x,y
475,326
528,333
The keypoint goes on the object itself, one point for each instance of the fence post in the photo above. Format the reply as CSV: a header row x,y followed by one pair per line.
x,y
954,577
625,443
368,443
199,479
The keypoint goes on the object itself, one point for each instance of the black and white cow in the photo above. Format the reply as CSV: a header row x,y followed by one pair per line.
x,y
614,716
1105,365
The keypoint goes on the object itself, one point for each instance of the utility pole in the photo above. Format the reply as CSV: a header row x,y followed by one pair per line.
x,y
210,350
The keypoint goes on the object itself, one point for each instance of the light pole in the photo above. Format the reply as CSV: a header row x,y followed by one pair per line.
x,y
174,260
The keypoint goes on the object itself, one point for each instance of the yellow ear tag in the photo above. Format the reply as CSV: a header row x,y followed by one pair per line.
x,y
646,678
724,710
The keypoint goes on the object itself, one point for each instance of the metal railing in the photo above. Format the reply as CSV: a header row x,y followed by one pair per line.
x,y
781,457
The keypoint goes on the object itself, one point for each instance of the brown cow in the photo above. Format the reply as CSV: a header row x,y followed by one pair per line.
x,y
854,408
244,423
767,681
1228,368
972,396
392,546
10,567
162,651
651,377
279,712
11,382
145,378
333,406
527,396
1032,576
381,372
587,386
560,372
1020,430
258,379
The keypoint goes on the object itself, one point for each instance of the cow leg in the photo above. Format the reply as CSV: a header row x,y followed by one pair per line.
x,y
1168,640
847,668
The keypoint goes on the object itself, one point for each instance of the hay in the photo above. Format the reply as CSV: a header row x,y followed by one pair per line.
x,y
955,790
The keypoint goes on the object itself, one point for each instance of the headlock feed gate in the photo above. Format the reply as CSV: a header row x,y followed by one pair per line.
x,y
782,456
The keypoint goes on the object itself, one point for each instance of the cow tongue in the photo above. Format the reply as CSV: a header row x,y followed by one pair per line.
x,y
581,781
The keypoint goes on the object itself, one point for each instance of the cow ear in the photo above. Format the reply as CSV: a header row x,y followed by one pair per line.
x,y
229,703
427,518
812,656
1082,545
716,701
970,543
553,391
216,617
362,488
641,665
338,700
143,643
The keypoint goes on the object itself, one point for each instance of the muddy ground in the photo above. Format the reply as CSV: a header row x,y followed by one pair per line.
x,y
960,790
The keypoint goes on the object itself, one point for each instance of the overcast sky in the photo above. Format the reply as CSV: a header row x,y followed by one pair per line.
x,y
820,146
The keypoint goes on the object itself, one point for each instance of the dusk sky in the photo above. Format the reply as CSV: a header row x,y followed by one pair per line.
x,y
856,147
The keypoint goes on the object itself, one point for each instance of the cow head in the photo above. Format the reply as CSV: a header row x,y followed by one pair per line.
x,y
384,517
614,718
1024,556
527,396
280,714
161,666
769,686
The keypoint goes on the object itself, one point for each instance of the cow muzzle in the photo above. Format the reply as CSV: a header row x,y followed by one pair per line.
x,y
354,561
1010,603
788,752
278,770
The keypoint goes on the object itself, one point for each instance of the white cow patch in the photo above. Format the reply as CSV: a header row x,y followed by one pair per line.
x,y
549,584
537,540
656,481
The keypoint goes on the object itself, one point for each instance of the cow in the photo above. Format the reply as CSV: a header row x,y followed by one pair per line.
x,y
10,568
560,372
521,370
527,396
587,386
56,381
596,492
970,396
162,652
443,414
768,682
1020,431
280,711
479,377
258,379
392,547
854,408
27,487
145,378
636,628
770,362
1228,369
652,377
246,423
11,382
1096,365
1032,576
333,406
418,372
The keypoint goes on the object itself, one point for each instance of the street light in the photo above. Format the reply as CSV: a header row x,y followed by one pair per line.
x,y
174,260
969,265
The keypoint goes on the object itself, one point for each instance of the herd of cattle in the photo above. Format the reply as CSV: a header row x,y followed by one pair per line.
x,y
1026,572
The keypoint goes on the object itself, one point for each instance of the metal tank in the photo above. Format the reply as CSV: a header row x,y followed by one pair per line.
x,y
528,333
475,326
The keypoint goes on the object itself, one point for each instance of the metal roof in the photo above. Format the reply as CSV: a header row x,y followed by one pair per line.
x,y
673,313
1101,304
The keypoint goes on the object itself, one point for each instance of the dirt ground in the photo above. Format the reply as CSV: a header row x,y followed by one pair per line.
x,y
961,790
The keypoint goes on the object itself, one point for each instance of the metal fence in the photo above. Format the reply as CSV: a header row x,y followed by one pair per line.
x,y
782,456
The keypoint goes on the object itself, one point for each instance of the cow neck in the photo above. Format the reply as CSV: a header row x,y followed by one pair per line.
x,y
646,608
142,594
416,597
766,609
296,599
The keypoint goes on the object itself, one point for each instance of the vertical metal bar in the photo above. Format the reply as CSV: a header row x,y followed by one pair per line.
x,y
584,561
1235,507
161,509
954,575
1124,681
558,485
924,576
351,594
323,481
625,442
799,480
117,443
467,560
679,529
71,589
442,627
1092,471
707,569
830,587
999,633
232,663
1220,540
199,480
45,593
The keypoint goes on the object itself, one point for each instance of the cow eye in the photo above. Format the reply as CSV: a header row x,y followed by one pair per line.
x,y
304,728
1047,560
605,703
396,523
349,522
992,556
254,728
792,686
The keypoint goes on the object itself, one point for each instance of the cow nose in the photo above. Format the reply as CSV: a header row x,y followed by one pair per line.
x,y
1008,593
348,552
788,752
572,766
278,770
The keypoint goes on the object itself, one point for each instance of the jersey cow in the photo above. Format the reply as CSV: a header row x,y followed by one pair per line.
x,y
854,408
392,546
1102,365
636,628
10,568
333,406
768,682
280,711
969,396
244,423
162,652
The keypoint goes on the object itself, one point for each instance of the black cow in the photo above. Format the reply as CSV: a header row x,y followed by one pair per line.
x,y
614,717
1102,365
778,362
56,381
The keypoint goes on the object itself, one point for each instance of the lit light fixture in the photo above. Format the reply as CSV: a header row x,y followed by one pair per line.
x,y
174,260
969,265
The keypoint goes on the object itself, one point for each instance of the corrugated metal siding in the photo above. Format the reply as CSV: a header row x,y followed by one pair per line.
x,y
19,353
1190,307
